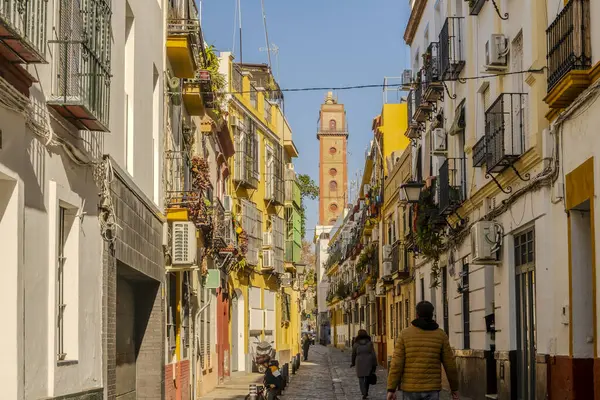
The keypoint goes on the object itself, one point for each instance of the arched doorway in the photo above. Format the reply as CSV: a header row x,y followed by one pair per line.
x,y
238,362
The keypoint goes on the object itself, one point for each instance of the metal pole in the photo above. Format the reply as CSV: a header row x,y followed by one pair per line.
x,y
240,15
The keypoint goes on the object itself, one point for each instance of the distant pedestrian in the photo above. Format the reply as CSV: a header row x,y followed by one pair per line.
x,y
365,360
416,364
305,345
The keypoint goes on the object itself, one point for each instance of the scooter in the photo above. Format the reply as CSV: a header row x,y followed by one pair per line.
x,y
273,384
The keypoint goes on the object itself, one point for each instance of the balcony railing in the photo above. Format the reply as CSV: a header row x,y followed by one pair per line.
x,y
81,87
23,29
451,52
505,130
432,89
223,235
237,80
395,258
267,111
569,43
452,184
253,97
479,153
292,192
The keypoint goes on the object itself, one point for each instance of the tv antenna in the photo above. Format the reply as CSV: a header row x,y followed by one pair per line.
x,y
274,49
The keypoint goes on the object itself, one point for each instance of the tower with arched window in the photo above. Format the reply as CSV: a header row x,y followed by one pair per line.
x,y
333,166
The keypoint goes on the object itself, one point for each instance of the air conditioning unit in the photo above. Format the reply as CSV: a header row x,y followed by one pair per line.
x,y
362,301
286,279
387,268
183,244
387,252
483,236
375,235
228,204
407,77
439,141
268,259
496,50
267,239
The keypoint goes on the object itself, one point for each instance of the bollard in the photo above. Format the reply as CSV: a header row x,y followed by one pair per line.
x,y
294,365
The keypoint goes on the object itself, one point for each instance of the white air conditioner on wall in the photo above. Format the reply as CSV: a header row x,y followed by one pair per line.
x,y
183,243
496,50
387,268
439,141
483,241
387,252
286,279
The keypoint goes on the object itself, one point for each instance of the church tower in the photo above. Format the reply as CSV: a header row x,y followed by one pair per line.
x,y
333,166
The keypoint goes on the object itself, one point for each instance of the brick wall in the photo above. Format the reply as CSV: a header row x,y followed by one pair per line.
x,y
178,389
94,394
136,255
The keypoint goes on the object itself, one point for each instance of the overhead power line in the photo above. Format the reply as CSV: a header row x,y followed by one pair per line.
x,y
380,85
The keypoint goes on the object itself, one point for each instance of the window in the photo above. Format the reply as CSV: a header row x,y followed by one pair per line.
x,y
332,150
60,295
64,273
252,225
422,289
185,317
333,172
466,307
332,125
333,185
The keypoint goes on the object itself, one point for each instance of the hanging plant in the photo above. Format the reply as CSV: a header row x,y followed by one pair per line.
x,y
243,242
429,239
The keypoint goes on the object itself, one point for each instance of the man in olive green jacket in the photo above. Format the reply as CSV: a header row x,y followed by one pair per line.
x,y
415,367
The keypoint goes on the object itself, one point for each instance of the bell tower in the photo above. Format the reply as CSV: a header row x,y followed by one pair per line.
x,y
333,165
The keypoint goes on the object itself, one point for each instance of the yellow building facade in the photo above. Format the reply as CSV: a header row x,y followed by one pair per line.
x,y
264,306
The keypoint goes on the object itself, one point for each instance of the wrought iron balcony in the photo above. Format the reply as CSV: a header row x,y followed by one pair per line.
x,y
505,131
423,106
569,41
433,88
183,39
223,234
81,87
413,126
451,51
23,30
452,185
479,153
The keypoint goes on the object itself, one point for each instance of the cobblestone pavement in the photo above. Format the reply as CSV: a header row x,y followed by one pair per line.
x,y
325,376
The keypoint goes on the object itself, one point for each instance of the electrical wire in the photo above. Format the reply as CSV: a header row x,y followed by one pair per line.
x,y
380,85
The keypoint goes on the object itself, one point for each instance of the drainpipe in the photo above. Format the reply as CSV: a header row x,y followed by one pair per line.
x,y
196,324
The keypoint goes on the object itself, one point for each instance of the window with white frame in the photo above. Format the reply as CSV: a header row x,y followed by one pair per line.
x,y
65,228
278,230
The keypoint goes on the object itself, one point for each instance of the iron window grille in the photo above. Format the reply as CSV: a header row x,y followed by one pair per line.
x,y
451,54
223,235
246,154
466,307
60,286
81,86
253,97
479,152
395,257
452,184
505,131
274,183
268,114
23,29
252,225
569,43
432,89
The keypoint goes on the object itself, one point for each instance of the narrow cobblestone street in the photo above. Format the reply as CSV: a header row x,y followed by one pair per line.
x,y
326,375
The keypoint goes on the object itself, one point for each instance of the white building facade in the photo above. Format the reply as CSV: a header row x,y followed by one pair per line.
x,y
66,132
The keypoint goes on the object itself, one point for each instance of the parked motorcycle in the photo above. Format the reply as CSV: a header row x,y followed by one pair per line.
x,y
273,383
263,353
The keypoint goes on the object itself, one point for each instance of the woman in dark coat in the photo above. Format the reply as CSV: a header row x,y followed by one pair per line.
x,y
365,360
305,346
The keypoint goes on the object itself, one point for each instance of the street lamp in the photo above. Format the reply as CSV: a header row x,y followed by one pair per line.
x,y
300,269
412,191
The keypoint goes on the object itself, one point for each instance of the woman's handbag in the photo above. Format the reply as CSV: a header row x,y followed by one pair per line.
x,y
373,379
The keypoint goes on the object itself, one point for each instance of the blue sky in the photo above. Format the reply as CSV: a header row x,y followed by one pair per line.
x,y
328,43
